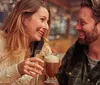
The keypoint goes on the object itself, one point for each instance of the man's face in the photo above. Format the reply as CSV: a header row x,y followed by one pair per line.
x,y
86,27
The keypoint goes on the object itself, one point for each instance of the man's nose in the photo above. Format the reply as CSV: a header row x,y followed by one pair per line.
x,y
77,27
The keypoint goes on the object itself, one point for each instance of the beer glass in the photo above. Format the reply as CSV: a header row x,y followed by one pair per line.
x,y
38,55
52,65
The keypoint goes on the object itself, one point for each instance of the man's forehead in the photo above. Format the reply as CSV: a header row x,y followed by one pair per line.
x,y
85,15
85,11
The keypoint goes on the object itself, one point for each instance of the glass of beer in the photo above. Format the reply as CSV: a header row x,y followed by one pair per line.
x,y
38,55
52,66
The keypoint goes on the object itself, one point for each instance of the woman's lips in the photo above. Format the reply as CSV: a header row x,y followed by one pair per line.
x,y
41,33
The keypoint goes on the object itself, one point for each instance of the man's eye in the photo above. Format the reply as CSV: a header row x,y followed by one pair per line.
x,y
83,23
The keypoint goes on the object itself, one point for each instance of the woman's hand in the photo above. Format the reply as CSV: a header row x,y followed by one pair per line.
x,y
31,66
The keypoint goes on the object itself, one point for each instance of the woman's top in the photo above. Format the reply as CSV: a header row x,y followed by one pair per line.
x,y
9,74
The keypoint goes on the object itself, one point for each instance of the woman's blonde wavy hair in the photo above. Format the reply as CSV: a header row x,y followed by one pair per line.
x,y
13,25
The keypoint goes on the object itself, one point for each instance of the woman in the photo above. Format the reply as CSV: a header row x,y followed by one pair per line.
x,y
28,22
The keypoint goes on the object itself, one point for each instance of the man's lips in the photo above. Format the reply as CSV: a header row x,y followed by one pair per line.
x,y
81,34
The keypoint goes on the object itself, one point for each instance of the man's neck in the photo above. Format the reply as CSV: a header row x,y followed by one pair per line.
x,y
94,51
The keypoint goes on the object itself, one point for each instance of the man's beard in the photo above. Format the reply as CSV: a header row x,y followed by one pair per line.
x,y
90,37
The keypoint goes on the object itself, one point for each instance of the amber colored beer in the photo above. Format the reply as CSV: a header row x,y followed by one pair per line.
x,y
52,65
52,68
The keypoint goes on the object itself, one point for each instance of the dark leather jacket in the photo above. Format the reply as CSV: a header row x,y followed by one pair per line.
x,y
75,68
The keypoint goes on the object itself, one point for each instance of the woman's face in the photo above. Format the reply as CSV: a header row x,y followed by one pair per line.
x,y
37,25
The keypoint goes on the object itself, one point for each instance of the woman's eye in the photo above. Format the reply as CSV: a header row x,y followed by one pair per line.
x,y
42,19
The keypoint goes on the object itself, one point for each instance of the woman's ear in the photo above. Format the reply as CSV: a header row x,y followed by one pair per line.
x,y
24,21
98,26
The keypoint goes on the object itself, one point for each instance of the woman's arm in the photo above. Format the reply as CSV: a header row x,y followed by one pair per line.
x,y
15,71
9,74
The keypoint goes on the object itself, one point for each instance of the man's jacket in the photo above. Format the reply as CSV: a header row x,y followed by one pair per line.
x,y
75,68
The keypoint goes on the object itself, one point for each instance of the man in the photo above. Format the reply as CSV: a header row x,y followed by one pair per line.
x,y
81,64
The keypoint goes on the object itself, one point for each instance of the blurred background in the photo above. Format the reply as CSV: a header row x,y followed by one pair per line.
x,y
63,21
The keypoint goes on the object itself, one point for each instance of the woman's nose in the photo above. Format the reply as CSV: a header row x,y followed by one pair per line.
x,y
46,26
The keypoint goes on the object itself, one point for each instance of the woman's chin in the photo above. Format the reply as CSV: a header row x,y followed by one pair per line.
x,y
38,39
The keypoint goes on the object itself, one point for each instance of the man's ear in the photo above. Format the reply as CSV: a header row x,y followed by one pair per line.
x,y
98,27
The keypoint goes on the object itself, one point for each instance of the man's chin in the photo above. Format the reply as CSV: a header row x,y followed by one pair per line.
x,y
82,41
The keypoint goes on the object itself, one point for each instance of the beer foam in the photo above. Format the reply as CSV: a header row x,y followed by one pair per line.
x,y
52,58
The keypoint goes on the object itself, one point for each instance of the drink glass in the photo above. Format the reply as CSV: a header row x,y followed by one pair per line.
x,y
52,66
38,55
